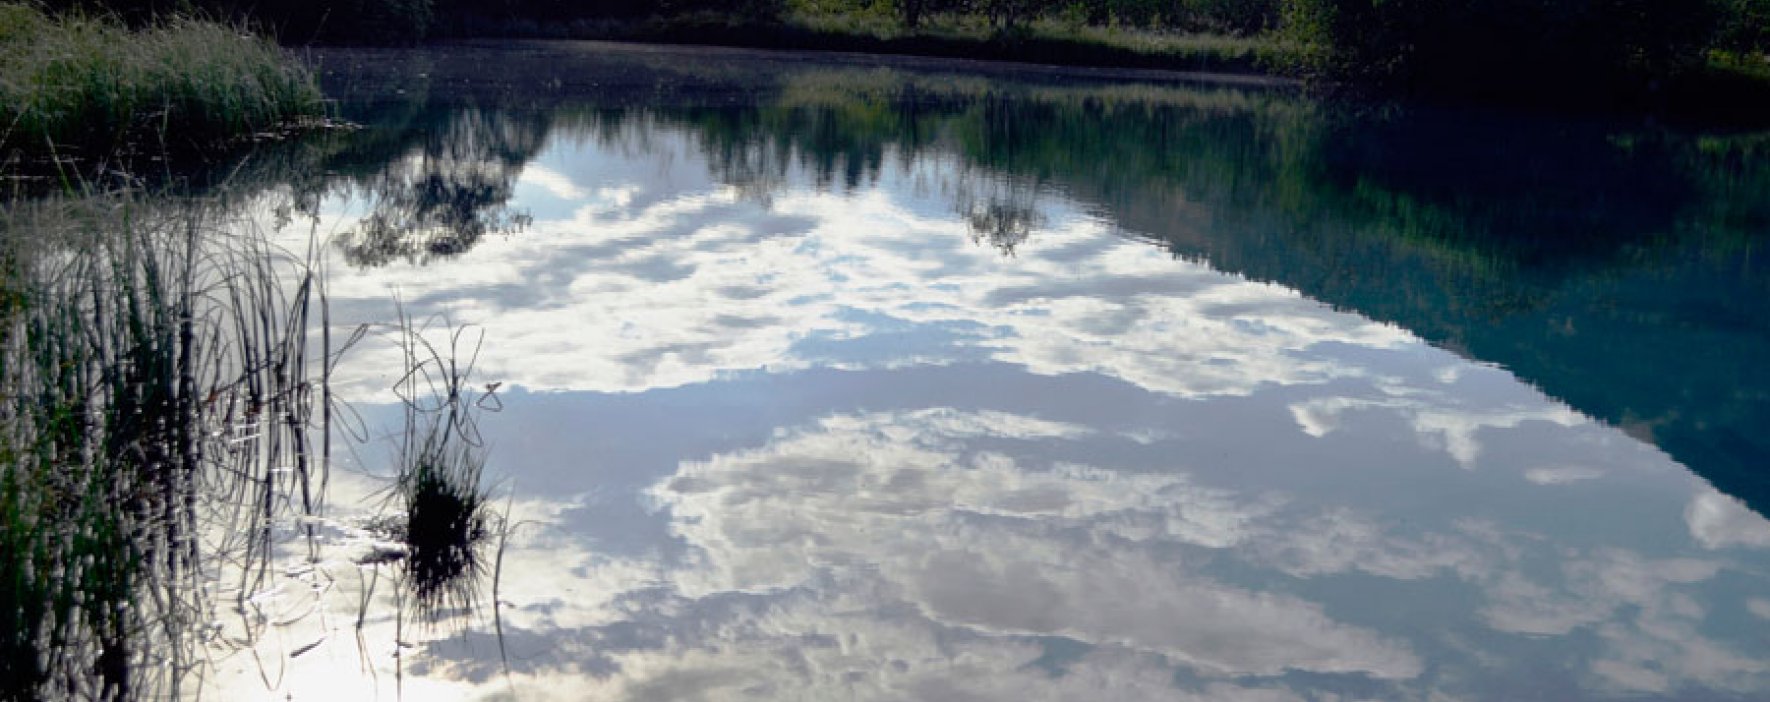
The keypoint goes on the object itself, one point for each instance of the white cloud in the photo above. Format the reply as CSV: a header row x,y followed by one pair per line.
x,y
1341,540
929,554
555,183
1441,419
1562,475
1641,610
1720,521
640,287
893,497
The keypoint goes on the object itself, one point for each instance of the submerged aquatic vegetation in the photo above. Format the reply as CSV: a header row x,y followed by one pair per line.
x,y
80,82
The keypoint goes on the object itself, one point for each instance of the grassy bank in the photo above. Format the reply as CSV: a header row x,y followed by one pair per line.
x,y
1044,40
1732,87
1629,55
90,84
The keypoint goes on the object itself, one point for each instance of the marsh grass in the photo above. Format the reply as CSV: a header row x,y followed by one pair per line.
x,y
156,389
89,83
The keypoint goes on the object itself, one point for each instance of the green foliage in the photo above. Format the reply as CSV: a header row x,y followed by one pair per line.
x,y
1745,27
380,21
1499,46
74,81
751,10
1556,49
361,21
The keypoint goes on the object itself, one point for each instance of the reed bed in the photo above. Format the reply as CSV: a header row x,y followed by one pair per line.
x,y
166,436
158,387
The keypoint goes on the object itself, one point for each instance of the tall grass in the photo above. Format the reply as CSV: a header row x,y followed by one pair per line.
x,y
156,389
82,82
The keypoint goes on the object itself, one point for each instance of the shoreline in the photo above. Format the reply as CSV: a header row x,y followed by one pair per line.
x,y
1724,91
870,59
1042,45
1717,98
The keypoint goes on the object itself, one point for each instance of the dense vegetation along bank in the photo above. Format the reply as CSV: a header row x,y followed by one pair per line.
x,y
1703,54
75,83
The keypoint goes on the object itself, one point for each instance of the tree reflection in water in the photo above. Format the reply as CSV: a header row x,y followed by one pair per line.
x,y
1611,267
447,192
1490,235
1504,238
1004,217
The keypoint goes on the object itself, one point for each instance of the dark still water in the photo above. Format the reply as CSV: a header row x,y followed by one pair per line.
x,y
831,378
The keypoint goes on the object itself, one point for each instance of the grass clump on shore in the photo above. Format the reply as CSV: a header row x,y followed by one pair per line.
x,y
84,83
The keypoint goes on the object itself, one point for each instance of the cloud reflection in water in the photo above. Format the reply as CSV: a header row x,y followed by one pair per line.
x,y
881,460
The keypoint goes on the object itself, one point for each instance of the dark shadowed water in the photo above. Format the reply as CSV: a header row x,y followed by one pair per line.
x,y
831,378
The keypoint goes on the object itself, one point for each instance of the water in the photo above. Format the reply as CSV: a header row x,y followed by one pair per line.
x,y
854,378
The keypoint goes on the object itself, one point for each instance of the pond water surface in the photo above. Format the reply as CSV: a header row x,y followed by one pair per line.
x,y
850,378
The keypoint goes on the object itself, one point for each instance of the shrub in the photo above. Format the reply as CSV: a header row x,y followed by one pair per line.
x,y
1745,27
1499,46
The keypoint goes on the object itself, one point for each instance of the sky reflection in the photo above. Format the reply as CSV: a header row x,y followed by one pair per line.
x,y
830,444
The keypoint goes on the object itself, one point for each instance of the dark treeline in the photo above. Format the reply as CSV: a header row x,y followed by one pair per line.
x,y
397,22
1613,51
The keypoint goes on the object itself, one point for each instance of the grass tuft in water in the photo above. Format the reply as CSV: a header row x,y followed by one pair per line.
x,y
445,525
447,509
